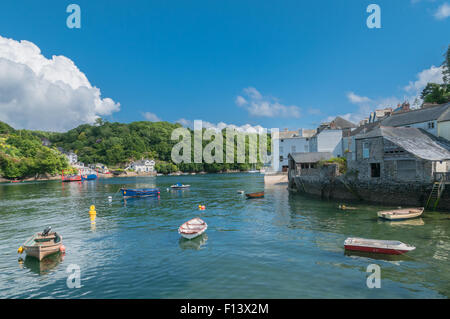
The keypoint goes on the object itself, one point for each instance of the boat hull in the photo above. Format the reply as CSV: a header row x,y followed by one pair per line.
x,y
144,192
192,228
255,195
376,250
89,177
390,247
72,179
401,214
40,252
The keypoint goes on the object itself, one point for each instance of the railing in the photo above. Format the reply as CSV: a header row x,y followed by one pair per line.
x,y
442,177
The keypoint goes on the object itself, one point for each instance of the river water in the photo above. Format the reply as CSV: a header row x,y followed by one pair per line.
x,y
281,246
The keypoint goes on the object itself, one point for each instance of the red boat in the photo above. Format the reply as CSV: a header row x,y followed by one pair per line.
x,y
391,247
70,178
255,195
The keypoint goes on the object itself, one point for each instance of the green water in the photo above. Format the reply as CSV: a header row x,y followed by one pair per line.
x,y
281,246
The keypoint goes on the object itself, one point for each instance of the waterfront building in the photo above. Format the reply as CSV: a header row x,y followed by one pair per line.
x,y
329,136
434,119
142,166
292,142
400,154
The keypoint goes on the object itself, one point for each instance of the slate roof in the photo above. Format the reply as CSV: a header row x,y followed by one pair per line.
x,y
312,157
341,123
439,113
413,140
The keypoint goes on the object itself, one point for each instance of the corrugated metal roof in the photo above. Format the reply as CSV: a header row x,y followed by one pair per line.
x,y
413,140
312,157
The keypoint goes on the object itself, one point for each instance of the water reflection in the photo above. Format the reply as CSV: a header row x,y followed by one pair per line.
x,y
195,244
44,266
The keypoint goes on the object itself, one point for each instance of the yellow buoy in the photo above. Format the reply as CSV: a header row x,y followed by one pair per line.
x,y
20,250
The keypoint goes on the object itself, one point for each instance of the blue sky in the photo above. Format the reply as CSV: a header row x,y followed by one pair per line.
x,y
192,59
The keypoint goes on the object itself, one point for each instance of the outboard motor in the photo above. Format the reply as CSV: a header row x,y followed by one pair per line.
x,y
47,231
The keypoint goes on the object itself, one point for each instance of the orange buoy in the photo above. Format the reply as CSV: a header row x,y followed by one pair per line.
x,y
62,249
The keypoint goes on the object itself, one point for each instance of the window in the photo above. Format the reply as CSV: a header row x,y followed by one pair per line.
x,y
366,153
375,170
430,125
281,158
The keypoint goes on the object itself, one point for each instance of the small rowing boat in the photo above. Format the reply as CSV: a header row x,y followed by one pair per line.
x,y
255,195
391,247
401,214
43,244
139,192
192,228
179,186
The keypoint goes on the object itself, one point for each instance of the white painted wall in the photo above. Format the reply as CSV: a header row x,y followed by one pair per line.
x,y
327,141
425,125
292,145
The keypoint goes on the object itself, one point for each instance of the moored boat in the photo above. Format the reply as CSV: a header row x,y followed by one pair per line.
x,y
179,186
70,178
139,192
43,244
192,228
391,247
401,214
255,195
89,177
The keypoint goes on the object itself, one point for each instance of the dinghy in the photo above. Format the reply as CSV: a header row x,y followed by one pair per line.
x,y
192,228
391,247
179,186
43,244
139,192
255,195
401,214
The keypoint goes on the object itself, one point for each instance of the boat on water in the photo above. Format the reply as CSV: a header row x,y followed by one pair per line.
x,y
70,178
192,228
255,195
401,214
391,247
179,186
89,177
139,192
43,244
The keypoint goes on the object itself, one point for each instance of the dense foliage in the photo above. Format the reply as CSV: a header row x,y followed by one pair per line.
x,y
23,155
117,144
439,93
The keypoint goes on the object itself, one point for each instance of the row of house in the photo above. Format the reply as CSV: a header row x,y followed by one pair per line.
x,y
400,145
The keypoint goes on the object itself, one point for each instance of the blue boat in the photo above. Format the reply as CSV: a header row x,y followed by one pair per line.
x,y
88,177
139,192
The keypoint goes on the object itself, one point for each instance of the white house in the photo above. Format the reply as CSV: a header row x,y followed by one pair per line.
x,y
143,166
72,157
292,142
329,137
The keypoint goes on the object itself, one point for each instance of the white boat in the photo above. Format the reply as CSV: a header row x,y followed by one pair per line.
x,y
192,228
180,186
401,214
391,247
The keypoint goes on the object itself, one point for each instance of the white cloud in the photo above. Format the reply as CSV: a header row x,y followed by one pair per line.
x,y
46,94
356,99
151,117
431,75
443,12
258,105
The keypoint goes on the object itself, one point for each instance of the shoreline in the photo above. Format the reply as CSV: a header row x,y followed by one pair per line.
x,y
42,178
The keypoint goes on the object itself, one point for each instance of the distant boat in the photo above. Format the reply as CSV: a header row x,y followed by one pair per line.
x,y
139,192
401,214
179,186
88,177
391,247
192,228
254,170
70,178
42,244
255,195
